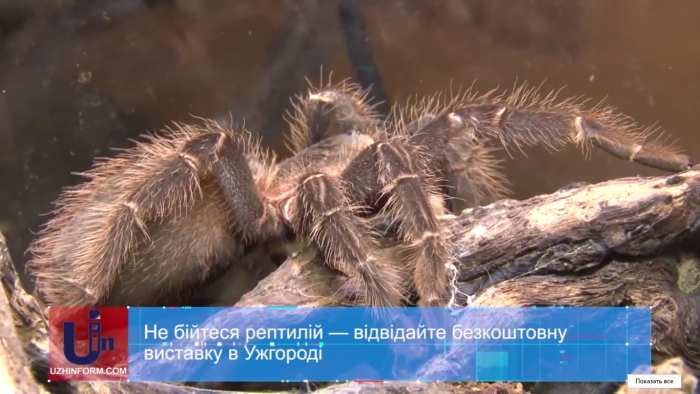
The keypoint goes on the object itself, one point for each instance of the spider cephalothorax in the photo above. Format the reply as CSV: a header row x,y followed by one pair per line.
x,y
173,212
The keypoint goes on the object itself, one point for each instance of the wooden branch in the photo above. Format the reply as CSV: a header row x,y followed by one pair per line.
x,y
613,243
596,245
15,368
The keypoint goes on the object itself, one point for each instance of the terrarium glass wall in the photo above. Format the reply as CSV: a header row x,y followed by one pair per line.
x,y
80,77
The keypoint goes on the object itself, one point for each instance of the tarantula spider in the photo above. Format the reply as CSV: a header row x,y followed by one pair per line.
x,y
177,210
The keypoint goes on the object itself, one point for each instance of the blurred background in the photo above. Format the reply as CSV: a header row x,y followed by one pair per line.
x,y
80,77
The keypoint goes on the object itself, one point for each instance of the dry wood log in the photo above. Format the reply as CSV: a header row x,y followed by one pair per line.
x,y
623,242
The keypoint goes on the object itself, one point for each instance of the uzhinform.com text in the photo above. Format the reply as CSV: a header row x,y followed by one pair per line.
x,y
87,371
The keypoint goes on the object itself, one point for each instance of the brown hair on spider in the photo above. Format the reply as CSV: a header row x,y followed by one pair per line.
x,y
155,223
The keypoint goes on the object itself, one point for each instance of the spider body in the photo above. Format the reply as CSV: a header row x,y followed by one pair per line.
x,y
155,223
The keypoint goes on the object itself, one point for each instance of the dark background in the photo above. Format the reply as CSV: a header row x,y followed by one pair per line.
x,y
80,77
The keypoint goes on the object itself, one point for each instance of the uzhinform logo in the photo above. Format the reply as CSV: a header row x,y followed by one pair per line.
x,y
96,344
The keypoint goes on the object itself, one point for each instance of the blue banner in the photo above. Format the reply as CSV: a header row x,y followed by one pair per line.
x,y
428,344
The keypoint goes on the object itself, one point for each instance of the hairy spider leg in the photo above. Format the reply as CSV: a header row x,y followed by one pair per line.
x,y
394,169
331,110
323,212
525,118
160,218
466,170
